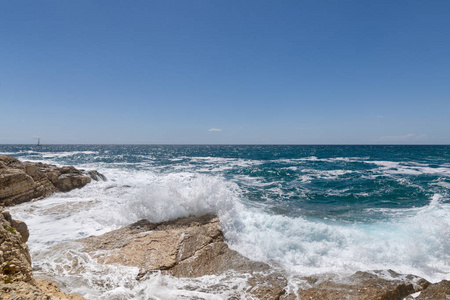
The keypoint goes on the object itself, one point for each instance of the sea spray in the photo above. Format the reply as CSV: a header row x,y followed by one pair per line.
x,y
307,209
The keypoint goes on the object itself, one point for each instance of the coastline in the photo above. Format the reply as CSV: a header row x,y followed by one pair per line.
x,y
198,248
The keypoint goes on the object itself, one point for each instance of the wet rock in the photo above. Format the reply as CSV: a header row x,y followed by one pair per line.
x,y
186,247
70,181
24,181
437,291
376,285
96,175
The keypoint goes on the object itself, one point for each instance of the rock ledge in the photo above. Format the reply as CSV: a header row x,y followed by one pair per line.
x,y
23,181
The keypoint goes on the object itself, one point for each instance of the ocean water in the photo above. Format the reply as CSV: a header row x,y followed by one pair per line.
x,y
305,209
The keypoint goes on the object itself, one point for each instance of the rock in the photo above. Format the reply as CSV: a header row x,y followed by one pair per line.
x,y
24,181
96,175
15,261
195,246
16,277
437,291
376,285
20,226
186,247
42,290
70,181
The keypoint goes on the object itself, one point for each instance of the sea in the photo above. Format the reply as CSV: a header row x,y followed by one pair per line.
x,y
304,209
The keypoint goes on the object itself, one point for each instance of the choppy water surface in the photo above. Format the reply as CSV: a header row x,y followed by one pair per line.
x,y
308,209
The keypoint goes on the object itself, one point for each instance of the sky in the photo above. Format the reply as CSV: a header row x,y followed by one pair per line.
x,y
225,72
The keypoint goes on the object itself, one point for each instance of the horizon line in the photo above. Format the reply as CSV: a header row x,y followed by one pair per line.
x,y
225,144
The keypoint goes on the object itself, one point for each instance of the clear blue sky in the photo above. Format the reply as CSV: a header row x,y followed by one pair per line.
x,y
301,72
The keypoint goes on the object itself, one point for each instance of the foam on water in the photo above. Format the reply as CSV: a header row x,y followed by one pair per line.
x,y
126,197
414,241
409,168
408,239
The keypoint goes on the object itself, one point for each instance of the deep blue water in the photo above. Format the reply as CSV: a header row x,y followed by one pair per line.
x,y
321,180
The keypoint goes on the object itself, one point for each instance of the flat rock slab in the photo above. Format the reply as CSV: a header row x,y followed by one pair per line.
x,y
186,247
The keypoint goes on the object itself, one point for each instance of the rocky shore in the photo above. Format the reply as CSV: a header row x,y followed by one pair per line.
x,y
16,276
195,246
23,181
186,247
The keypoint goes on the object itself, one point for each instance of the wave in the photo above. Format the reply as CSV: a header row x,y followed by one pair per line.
x,y
416,242
411,241
406,239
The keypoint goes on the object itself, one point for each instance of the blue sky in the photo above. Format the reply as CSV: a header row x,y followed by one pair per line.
x,y
213,72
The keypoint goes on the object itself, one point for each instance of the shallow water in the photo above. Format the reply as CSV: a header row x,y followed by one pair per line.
x,y
308,209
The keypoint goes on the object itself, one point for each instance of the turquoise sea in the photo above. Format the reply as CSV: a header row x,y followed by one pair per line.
x,y
308,209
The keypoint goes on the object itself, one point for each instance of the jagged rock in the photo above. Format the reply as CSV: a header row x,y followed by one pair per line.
x,y
20,226
16,277
23,181
15,261
186,247
437,291
362,285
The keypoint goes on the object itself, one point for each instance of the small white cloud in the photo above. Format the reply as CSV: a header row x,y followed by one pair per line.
x,y
410,137
379,117
215,129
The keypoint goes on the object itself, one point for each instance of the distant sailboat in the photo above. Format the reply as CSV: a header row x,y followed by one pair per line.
x,y
39,142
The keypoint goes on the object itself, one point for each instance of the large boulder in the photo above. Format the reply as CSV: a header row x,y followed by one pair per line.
x,y
186,247
24,181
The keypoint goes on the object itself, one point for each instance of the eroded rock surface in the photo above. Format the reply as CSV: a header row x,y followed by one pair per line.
x,y
437,291
374,285
41,290
186,247
15,261
23,181
16,277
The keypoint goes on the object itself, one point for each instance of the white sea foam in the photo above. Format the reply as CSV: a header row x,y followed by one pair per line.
x,y
409,241
443,184
81,274
316,159
417,242
408,168
324,174
65,154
